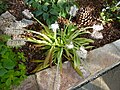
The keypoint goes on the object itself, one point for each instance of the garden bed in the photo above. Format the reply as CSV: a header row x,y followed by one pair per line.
x,y
110,33
88,15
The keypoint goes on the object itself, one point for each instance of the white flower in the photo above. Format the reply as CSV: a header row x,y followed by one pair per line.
x,y
27,13
70,46
118,3
82,53
97,35
73,10
97,27
54,26
107,7
103,10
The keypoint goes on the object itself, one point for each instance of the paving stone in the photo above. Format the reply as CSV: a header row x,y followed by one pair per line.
x,y
109,81
112,79
110,49
28,84
66,79
100,61
103,57
117,44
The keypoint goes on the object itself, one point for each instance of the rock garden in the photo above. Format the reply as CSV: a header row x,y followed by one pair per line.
x,y
57,39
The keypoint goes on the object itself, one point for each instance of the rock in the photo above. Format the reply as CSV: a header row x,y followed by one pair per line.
x,y
8,16
28,84
27,14
11,27
100,61
68,77
9,21
21,24
6,19
117,44
97,35
102,58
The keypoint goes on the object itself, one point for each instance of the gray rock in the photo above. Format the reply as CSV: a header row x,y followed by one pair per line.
x,y
96,35
99,61
117,44
8,16
67,78
11,27
9,21
28,84
103,57
109,81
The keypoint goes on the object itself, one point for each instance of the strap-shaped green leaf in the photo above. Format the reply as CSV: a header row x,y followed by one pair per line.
x,y
43,35
48,58
40,67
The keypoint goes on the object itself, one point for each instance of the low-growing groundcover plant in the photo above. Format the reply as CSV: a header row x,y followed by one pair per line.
x,y
12,68
50,10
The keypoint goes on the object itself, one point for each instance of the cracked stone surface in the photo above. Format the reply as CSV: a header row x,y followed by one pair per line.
x,y
100,61
103,57
10,26
108,81
66,79
6,19
28,84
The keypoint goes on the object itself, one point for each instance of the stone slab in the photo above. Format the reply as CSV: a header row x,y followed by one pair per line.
x,y
99,61
117,44
28,84
108,81
102,58
49,80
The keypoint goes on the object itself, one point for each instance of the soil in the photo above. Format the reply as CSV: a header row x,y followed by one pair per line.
x,y
110,33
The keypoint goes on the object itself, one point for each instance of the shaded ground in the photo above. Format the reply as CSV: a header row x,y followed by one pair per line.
x,y
90,8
